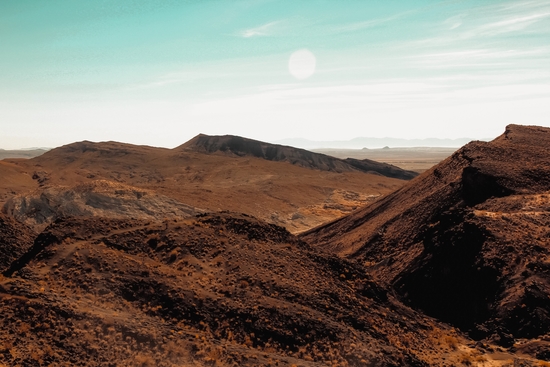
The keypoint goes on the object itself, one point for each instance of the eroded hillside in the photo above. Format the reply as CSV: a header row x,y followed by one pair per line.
x,y
467,241
223,289
279,192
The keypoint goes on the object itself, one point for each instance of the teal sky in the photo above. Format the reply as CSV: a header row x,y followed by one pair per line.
x,y
160,72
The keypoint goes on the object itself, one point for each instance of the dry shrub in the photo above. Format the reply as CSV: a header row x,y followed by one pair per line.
x,y
143,360
451,341
466,359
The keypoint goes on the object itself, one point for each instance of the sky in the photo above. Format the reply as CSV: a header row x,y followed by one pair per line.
x,y
160,72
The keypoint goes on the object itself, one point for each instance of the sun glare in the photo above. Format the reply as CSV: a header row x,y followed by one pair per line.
x,y
301,64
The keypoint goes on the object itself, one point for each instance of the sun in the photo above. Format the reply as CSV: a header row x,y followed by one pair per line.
x,y
301,64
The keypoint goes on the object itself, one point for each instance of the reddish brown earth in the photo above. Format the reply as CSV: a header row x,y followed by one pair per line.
x,y
216,290
98,198
239,146
15,240
467,241
279,192
449,270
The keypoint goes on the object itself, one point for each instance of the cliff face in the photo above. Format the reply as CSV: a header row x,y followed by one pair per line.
x,y
467,241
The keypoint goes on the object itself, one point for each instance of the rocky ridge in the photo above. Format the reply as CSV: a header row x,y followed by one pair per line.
x,y
467,241
236,145
99,198
218,289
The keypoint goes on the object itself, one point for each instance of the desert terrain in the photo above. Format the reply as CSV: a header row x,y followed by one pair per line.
x,y
290,187
227,251
418,159
21,153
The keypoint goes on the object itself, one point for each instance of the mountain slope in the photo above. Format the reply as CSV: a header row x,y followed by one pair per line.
x,y
15,240
216,290
468,240
240,146
212,182
98,198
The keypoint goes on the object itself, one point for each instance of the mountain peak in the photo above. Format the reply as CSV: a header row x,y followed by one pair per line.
x,y
239,146
461,241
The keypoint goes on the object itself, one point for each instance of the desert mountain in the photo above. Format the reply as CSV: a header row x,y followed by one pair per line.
x,y
125,275
240,146
98,198
198,179
467,241
215,290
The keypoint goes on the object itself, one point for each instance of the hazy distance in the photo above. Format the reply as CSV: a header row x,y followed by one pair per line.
x,y
159,73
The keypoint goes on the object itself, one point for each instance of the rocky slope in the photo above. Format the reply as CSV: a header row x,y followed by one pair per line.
x,y
467,241
212,182
240,146
98,198
215,290
15,239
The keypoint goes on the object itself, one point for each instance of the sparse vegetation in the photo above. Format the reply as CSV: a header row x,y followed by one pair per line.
x,y
225,289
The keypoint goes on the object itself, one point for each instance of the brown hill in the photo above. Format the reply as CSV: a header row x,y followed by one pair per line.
x,y
239,146
212,182
216,290
98,198
467,241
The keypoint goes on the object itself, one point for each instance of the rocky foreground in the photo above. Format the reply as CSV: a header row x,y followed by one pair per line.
x,y
219,289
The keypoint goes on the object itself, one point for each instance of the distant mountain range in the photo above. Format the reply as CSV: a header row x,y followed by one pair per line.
x,y
355,143
372,143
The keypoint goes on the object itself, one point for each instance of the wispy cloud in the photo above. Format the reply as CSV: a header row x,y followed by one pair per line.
x,y
263,30
495,22
478,57
508,25
352,27
182,77
454,21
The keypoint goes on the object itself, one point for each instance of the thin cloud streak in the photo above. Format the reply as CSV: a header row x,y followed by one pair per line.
x,y
493,21
397,93
370,23
478,57
508,25
263,30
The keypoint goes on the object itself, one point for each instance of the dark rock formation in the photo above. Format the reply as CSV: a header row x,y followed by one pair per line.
x,y
468,240
240,146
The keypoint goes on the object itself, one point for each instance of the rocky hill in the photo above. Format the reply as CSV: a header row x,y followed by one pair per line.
x,y
467,241
239,146
451,269
215,290
197,179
